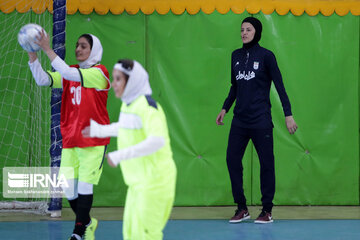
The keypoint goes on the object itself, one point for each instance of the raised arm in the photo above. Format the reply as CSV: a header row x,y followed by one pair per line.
x,y
58,64
40,76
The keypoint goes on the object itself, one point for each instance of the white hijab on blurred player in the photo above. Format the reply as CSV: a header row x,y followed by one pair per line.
x,y
137,84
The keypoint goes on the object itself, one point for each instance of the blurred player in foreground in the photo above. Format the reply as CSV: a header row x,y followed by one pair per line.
x,y
144,153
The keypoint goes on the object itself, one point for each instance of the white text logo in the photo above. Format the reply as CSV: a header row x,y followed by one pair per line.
x,y
35,180
246,76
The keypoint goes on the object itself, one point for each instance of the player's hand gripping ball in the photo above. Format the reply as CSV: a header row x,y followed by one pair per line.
x,y
28,35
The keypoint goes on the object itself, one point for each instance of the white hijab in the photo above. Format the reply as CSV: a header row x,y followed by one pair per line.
x,y
137,84
95,54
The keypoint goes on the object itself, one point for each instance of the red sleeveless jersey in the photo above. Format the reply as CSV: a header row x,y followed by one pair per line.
x,y
78,106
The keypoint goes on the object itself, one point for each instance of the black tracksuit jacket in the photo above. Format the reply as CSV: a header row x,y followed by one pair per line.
x,y
252,71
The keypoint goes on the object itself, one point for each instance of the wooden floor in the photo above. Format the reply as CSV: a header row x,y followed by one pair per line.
x,y
279,212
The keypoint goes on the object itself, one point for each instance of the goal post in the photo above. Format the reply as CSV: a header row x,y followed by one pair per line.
x,y
59,24
29,114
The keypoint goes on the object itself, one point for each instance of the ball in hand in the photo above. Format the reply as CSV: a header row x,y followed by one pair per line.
x,y
28,35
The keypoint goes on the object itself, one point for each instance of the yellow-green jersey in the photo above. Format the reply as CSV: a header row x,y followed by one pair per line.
x,y
138,121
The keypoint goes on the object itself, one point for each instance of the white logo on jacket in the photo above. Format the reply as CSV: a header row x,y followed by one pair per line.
x,y
246,76
256,65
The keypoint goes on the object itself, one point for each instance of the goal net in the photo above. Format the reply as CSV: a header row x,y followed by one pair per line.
x,y
24,107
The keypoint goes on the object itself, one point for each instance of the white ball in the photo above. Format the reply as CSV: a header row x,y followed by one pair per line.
x,y
28,35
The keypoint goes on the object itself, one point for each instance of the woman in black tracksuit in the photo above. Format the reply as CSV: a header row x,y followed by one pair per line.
x,y
252,70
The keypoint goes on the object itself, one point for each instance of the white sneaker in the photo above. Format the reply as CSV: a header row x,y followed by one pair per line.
x,y
55,214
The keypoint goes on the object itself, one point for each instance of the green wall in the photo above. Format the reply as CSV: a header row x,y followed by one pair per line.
x,y
188,59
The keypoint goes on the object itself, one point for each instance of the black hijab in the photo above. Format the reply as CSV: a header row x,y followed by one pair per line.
x,y
258,29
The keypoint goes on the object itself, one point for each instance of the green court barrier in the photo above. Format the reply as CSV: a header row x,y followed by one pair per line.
x,y
188,59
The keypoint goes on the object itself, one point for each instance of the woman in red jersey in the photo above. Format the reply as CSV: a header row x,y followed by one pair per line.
x,y
85,91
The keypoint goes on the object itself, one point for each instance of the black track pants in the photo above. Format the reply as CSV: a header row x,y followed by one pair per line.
x,y
263,142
